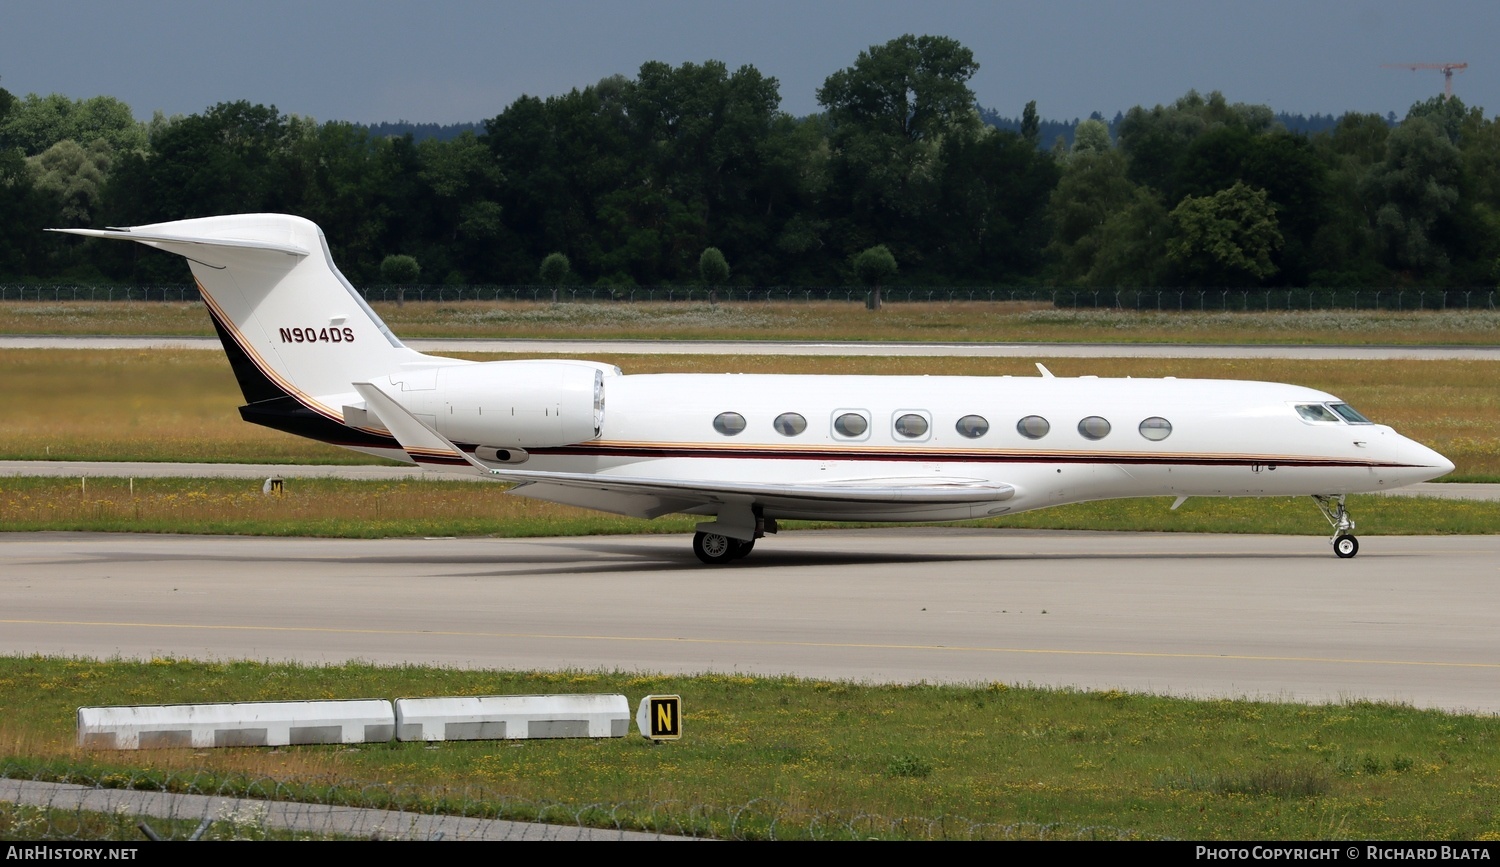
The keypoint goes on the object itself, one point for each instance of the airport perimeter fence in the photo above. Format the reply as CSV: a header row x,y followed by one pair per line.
x,y
201,806
1475,298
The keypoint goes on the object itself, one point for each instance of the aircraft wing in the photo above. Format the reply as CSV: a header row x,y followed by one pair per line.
x,y
645,497
652,497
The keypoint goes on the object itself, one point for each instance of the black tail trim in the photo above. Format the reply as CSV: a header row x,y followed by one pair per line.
x,y
256,386
286,414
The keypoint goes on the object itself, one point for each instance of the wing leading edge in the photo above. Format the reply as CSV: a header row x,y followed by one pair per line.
x,y
645,497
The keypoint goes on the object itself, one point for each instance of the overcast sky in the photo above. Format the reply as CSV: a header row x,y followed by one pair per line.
x,y
450,61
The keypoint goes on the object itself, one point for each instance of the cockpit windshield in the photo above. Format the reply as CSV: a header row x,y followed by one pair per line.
x,y
1331,412
1315,412
1348,414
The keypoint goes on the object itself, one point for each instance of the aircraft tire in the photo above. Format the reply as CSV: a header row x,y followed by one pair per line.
x,y
1345,547
742,549
713,548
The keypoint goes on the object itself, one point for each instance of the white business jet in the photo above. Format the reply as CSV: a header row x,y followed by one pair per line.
x,y
749,450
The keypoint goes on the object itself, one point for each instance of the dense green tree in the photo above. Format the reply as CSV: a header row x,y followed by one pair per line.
x,y
227,160
1413,191
460,184
1478,220
1130,247
633,178
1343,247
399,269
888,115
1093,187
1157,140
1448,114
554,271
988,223
36,123
873,267
1282,164
1091,135
1031,125
713,270
75,176
1227,238
24,210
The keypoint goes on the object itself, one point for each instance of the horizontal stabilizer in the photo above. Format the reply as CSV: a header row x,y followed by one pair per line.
x,y
154,239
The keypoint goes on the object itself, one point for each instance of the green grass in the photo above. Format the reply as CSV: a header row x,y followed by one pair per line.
x,y
961,322
435,507
800,758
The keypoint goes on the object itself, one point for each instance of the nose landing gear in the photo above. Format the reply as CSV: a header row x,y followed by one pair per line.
x,y
1344,543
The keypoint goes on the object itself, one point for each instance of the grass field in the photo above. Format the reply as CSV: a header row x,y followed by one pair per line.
x,y
181,405
962,322
426,507
820,758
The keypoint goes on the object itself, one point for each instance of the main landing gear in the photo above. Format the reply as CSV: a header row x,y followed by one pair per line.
x,y
715,547
1344,543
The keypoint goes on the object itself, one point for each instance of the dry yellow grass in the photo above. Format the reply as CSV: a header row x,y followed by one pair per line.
x,y
1023,321
181,405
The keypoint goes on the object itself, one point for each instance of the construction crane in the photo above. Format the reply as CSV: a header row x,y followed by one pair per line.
x,y
1447,68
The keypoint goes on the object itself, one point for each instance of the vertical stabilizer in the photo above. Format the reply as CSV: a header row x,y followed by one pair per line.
x,y
277,298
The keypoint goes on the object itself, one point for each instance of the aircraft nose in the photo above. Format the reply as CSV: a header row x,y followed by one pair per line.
x,y
1425,463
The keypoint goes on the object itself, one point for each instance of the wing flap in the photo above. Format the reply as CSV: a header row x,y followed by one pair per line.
x,y
875,491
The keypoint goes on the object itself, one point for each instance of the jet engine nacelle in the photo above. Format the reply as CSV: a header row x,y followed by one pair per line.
x,y
526,404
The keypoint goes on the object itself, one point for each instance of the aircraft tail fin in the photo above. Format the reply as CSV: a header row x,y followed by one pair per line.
x,y
291,324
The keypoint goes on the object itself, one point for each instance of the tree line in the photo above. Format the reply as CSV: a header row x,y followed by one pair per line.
x,y
631,180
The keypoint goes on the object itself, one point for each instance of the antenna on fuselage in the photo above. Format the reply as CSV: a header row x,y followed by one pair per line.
x,y
1045,372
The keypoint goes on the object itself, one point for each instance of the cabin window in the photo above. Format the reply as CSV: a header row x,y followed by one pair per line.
x,y
973,426
1156,429
729,423
911,425
1033,427
851,425
1348,414
1316,412
789,424
1094,428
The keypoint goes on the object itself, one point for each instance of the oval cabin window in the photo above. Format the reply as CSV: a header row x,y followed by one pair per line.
x,y
1094,428
851,424
973,426
1156,429
911,425
789,424
1033,427
729,423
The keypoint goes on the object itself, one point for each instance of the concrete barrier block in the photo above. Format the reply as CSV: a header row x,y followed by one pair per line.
x,y
244,724
512,717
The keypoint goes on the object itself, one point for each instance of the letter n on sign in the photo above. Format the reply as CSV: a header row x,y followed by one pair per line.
x,y
659,717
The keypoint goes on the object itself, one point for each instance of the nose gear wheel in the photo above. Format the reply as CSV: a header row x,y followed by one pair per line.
x,y
1343,541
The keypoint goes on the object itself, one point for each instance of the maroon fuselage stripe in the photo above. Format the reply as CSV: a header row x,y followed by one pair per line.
x,y
968,457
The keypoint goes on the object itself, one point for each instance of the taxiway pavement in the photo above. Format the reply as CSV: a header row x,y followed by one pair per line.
x,y
1411,619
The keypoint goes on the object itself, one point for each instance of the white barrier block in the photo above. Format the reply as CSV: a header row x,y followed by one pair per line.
x,y
244,724
512,717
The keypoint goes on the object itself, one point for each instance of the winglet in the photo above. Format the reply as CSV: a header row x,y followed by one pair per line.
x,y
426,447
